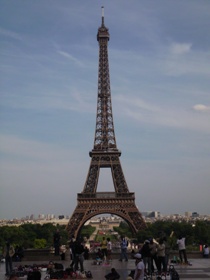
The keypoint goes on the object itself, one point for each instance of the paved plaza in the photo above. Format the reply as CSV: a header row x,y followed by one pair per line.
x,y
200,268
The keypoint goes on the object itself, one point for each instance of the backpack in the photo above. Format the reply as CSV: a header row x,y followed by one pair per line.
x,y
88,274
173,273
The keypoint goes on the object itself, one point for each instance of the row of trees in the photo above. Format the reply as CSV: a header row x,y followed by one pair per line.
x,y
196,234
41,236
31,235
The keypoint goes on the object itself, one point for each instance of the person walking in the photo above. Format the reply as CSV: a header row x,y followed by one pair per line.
x,y
123,247
8,253
139,271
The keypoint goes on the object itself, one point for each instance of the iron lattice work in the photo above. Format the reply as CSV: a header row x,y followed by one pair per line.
x,y
105,155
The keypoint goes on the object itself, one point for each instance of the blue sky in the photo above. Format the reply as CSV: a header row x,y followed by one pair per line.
x,y
159,53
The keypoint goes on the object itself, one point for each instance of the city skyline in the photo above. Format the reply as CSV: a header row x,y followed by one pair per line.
x,y
159,72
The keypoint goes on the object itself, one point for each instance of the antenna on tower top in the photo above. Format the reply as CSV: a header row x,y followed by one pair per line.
x,y
102,11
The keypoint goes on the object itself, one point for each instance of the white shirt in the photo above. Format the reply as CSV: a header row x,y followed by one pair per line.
x,y
181,243
109,245
140,266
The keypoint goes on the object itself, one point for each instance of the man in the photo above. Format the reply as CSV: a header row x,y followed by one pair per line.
x,y
123,246
56,241
8,253
79,254
146,256
139,271
182,249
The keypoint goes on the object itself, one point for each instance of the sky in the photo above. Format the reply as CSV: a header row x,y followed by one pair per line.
x,y
159,53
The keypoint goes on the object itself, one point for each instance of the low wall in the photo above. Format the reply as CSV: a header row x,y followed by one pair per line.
x,y
47,255
39,255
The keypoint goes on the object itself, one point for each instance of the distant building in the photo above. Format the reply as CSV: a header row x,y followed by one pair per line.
x,y
151,214
188,214
60,217
195,215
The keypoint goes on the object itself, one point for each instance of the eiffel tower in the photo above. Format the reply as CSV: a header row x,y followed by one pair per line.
x,y
105,154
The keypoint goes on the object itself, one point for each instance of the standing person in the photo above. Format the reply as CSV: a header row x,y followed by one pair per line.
x,y
146,256
139,271
86,253
153,251
8,253
56,242
182,249
167,252
123,246
72,251
161,257
79,254
109,249
206,251
104,247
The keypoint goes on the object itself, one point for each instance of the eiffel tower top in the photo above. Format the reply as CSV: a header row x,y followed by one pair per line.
x,y
103,31
104,132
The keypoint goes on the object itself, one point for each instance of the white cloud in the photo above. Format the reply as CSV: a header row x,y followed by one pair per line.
x,y
201,108
11,34
72,58
34,150
180,48
174,117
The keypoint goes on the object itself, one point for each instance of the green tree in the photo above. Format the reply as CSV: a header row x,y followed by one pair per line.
x,y
40,243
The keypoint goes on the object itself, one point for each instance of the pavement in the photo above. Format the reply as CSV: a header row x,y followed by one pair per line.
x,y
200,268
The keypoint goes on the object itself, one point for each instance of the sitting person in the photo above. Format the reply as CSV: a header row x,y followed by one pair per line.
x,y
113,275
34,275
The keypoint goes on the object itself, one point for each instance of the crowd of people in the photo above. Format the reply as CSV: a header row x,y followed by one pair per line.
x,y
151,256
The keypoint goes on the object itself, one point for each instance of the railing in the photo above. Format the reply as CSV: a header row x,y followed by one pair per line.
x,y
105,195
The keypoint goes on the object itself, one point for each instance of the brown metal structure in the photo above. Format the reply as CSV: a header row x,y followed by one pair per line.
x,y
105,155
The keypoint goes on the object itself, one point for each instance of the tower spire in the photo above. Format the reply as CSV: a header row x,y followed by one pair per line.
x,y
102,12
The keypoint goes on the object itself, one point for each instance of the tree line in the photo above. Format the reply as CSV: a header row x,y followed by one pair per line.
x,y
197,233
41,236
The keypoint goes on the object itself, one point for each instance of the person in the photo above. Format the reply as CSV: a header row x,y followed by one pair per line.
x,y
56,241
206,251
99,256
104,247
79,255
8,253
109,249
113,275
167,251
140,267
86,253
182,249
123,247
72,251
34,275
146,256
153,251
161,257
